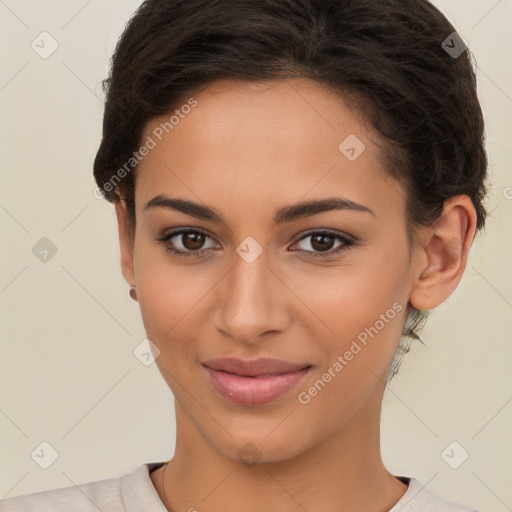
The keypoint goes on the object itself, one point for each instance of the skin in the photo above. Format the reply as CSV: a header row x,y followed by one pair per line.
x,y
247,150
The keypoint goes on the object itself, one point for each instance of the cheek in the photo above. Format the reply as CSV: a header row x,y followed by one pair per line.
x,y
365,318
349,299
341,302
167,292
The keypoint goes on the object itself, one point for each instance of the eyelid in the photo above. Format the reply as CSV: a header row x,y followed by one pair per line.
x,y
327,231
347,241
178,231
183,230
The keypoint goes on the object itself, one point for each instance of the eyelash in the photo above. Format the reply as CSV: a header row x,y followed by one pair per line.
x,y
346,244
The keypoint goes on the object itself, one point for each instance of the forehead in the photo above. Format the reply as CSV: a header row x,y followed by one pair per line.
x,y
272,141
304,113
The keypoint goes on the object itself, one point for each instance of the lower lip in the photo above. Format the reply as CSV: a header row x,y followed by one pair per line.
x,y
254,390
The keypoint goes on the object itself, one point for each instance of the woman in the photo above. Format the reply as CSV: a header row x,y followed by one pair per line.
x,y
296,183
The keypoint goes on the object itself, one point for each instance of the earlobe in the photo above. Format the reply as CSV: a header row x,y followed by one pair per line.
x,y
446,250
125,242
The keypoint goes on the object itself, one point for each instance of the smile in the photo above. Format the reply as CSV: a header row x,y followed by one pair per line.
x,y
254,383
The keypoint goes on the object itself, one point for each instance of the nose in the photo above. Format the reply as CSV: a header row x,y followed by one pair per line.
x,y
251,301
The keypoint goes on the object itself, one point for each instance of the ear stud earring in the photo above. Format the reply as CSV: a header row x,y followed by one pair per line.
x,y
133,292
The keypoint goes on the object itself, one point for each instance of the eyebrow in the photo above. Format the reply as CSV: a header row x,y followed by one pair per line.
x,y
286,214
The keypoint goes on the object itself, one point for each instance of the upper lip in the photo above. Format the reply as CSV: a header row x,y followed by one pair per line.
x,y
255,367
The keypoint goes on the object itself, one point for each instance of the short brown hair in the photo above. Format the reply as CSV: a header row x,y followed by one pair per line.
x,y
385,56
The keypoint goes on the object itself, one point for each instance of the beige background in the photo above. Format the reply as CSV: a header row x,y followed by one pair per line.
x,y
68,373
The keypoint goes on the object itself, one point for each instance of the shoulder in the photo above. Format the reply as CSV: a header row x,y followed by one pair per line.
x,y
116,494
81,498
420,499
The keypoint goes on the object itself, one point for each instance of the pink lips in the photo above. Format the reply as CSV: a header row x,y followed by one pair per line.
x,y
254,382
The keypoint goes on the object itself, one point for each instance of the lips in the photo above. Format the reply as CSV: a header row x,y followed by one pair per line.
x,y
255,382
256,367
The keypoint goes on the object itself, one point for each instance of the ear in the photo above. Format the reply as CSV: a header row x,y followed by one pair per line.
x,y
446,250
125,242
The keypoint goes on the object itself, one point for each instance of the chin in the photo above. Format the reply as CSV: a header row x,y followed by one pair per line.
x,y
260,448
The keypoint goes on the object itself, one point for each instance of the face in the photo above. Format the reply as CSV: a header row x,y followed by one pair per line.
x,y
323,289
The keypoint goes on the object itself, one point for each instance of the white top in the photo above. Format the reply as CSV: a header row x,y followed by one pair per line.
x,y
134,492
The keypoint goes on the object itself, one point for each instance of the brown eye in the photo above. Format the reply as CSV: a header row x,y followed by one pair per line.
x,y
322,244
193,240
186,242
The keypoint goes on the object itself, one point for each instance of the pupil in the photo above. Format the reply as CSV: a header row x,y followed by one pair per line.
x,y
322,245
197,241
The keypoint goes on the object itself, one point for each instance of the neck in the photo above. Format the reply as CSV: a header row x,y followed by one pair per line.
x,y
344,472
